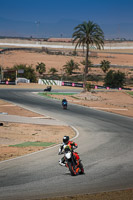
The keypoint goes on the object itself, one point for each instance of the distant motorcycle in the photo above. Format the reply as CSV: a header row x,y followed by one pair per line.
x,y
73,162
64,104
48,89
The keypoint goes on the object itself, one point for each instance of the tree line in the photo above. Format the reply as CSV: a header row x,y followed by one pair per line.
x,y
112,78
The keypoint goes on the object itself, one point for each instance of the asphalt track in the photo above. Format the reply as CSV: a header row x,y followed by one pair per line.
x,y
105,146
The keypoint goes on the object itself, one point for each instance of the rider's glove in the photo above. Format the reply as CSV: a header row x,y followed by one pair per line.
x,y
75,147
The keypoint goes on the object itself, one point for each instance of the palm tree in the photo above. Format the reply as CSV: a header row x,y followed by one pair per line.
x,y
105,65
53,71
70,66
86,35
90,64
40,68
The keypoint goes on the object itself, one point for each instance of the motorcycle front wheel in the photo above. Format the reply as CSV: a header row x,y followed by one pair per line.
x,y
72,169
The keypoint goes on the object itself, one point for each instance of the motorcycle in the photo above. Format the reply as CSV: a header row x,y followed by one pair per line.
x,y
48,89
73,162
64,104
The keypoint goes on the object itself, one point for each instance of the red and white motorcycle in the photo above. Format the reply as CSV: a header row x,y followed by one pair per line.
x,y
72,161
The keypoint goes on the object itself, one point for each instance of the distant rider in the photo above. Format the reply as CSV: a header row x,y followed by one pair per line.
x,y
64,102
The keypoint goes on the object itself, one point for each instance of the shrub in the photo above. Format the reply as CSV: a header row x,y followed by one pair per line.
x,y
88,86
114,79
29,72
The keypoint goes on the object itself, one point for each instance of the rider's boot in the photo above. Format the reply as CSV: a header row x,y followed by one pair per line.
x,y
62,164
77,171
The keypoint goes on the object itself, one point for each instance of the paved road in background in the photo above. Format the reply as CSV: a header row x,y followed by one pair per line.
x,y
105,147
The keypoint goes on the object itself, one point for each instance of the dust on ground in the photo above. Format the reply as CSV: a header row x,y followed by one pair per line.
x,y
113,195
13,109
16,133
119,102
11,58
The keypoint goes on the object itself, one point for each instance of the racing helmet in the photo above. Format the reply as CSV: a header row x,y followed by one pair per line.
x,y
64,100
66,139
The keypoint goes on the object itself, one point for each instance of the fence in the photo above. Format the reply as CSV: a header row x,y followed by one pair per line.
x,y
60,83
49,82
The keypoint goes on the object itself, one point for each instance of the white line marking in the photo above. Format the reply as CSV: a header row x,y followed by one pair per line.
x,y
7,105
40,117
109,108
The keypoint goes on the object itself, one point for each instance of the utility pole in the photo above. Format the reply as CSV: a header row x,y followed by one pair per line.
x,y
1,73
37,28
2,61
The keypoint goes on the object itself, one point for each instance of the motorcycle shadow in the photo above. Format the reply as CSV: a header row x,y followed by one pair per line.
x,y
68,174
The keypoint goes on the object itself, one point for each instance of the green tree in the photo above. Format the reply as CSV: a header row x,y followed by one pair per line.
x,y
70,66
41,68
86,35
105,65
114,79
53,71
29,72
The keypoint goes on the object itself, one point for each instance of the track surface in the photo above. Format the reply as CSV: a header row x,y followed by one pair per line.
x,y
105,147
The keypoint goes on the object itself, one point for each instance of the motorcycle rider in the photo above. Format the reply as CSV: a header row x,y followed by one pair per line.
x,y
71,145
64,102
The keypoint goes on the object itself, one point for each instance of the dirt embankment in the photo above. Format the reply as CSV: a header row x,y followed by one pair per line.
x,y
119,102
18,133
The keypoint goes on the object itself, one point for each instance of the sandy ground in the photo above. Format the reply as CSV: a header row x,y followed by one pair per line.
x,y
17,133
11,58
115,195
119,102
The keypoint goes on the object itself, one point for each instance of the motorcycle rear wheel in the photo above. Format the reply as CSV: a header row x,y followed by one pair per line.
x,y
81,168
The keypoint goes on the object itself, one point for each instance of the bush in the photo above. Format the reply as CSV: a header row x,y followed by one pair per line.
x,y
29,72
114,79
94,77
88,87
